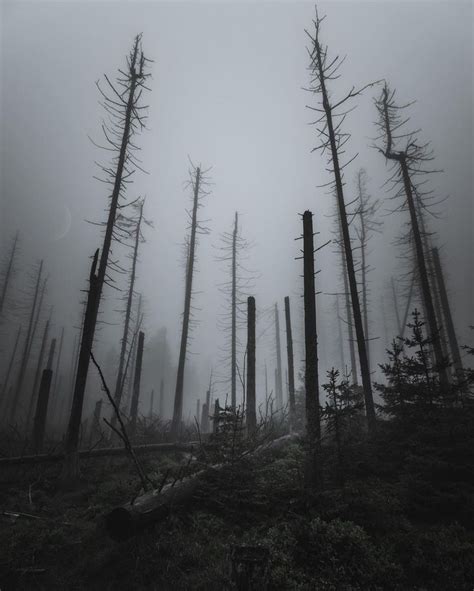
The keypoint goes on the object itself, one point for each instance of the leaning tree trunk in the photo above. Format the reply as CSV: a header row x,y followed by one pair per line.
x,y
291,369
251,400
178,396
350,328
313,427
71,464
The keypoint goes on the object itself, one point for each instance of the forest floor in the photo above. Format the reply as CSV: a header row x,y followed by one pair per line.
x,y
402,520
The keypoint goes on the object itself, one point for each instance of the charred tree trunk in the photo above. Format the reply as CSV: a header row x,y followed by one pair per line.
x,y
26,349
136,384
123,350
279,384
8,272
291,369
178,396
251,399
313,427
38,373
350,328
453,341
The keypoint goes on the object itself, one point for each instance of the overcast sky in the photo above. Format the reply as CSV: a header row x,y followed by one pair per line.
x,y
227,91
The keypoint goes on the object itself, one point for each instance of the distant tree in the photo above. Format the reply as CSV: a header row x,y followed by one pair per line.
x,y
323,71
9,270
123,104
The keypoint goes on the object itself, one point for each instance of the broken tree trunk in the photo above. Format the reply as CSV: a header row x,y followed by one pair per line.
x,y
154,506
291,370
251,400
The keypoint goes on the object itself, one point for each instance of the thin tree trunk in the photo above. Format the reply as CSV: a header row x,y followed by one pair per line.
x,y
8,272
251,400
341,340
395,305
38,373
178,397
361,343
4,400
54,391
24,359
453,341
279,384
363,245
234,317
136,384
95,428
37,315
71,465
291,368
350,329
152,400
120,374
42,404
162,395
313,428
407,307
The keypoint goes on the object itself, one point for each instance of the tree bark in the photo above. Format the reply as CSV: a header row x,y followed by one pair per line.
x,y
291,369
251,400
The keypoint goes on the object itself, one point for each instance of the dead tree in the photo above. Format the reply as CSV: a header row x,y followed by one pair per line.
x,y
43,400
152,400
56,381
279,378
128,311
162,395
349,319
3,400
95,433
127,119
408,162
198,183
251,400
136,384
39,369
8,271
453,341
313,427
332,141
26,348
291,369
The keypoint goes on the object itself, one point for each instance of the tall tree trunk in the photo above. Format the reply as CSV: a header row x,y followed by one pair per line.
x,y
453,341
26,349
71,465
133,357
136,383
233,361
341,340
178,397
291,369
8,272
359,329
123,350
279,384
251,400
350,328
408,303
37,315
313,427
363,255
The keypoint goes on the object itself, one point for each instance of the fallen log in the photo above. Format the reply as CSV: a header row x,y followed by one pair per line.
x,y
100,452
154,506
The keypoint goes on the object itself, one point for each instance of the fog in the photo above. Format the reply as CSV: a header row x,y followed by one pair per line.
x,y
227,92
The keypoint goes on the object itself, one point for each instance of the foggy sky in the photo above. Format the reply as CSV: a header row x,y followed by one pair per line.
x,y
227,91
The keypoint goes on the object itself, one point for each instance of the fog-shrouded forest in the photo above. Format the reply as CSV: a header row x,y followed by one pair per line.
x,y
236,286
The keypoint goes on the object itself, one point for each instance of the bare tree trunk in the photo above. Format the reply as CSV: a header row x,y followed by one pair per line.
x,y
135,79
54,391
341,340
395,305
408,304
162,395
133,357
43,399
8,272
233,362
120,374
136,384
350,330
24,359
251,400
152,400
313,427
363,248
178,397
453,341
291,369
279,384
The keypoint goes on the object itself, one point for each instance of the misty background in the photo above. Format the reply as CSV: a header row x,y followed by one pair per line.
x,y
227,92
